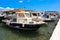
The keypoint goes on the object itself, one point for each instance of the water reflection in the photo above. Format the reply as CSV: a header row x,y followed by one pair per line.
x,y
23,33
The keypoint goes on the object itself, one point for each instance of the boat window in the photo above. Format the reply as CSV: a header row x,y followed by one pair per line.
x,y
39,14
34,14
14,16
28,14
21,15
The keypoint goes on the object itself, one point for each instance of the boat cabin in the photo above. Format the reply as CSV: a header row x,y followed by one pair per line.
x,y
23,17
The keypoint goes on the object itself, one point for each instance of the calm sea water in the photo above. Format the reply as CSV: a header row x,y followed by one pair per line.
x,y
43,33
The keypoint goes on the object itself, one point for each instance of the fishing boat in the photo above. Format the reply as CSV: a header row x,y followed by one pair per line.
x,y
24,21
8,14
48,17
53,16
45,17
42,17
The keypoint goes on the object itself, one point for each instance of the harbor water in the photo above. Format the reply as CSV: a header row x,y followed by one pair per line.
x,y
43,33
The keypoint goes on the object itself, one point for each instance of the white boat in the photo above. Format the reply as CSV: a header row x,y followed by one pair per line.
x,y
8,14
24,21
40,17
54,17
46,17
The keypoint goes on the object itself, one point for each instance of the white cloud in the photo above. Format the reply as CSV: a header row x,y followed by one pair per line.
x,y
1,8
21,1
7,8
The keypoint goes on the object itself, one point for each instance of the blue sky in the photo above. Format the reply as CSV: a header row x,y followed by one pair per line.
x,y
38,5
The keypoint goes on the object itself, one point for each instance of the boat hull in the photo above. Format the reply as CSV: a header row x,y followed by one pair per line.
x,y
49,20
26,26
32,27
